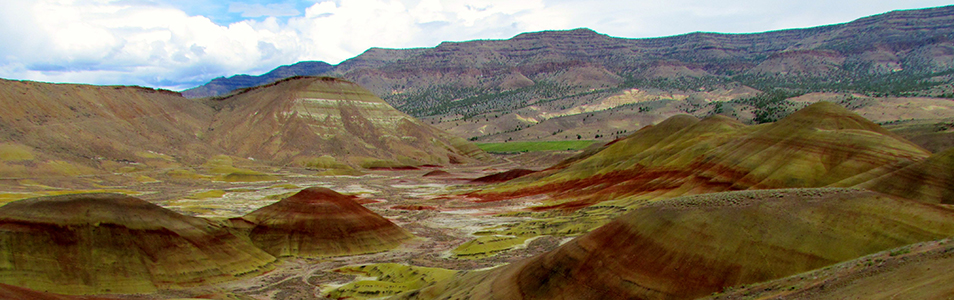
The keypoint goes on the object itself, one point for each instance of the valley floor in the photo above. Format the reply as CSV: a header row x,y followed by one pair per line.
x,y
431,207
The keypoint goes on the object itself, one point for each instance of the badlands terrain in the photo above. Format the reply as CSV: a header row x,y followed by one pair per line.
x,y
701,166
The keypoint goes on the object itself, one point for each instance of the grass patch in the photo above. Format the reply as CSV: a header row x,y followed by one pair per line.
x,y
15,152
248,176
487,246
516,147
279,196
389,279
207,194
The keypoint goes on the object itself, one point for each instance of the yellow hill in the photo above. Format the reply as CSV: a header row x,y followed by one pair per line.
x,y
931,180
818,146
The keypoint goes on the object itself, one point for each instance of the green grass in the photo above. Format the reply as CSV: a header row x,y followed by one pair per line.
x,y
511,147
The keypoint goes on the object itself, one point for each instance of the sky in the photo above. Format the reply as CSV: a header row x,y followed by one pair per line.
x,y
179,44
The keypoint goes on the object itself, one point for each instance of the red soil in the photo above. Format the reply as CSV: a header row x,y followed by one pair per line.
x,y
504,176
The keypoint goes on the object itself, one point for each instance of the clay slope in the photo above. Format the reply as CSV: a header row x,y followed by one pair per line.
x,y
303,118
111,243
318,222
821,145
931,180
65,129
693,246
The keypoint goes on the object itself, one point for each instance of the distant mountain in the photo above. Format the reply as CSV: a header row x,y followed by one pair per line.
x,y
900,52
222,85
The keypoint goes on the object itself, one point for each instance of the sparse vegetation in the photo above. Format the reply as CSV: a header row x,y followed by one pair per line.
x,y
516,147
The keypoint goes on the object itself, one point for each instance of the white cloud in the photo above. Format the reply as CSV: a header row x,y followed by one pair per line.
x,y
269,10
160,45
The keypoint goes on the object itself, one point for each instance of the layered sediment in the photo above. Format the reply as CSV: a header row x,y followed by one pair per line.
x,y
319,222
111,243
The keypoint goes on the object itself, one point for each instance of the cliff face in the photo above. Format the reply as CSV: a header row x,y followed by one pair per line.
x,y
907,46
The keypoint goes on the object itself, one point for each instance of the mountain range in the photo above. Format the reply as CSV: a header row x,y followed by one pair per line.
x,y
895,52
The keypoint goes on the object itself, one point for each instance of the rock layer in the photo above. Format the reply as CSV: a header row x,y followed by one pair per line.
x,y
111,243
319,222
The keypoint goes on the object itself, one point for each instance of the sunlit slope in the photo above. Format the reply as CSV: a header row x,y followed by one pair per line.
x,y
68,129
916,271
931,180
110,243
303,118
318,222
821,145
693,246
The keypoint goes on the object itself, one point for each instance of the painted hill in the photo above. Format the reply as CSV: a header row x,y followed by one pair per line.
x,y
61,130
930,180
693,246
18,293
111,243
917,271
65,129
821,145
318,222
302,119
552,73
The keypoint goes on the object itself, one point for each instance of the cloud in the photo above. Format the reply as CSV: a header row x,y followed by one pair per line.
x,y
269,10
157,43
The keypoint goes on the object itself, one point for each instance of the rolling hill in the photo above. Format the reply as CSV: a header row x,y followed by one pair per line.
x,y
820,145
64,130
319,222
111,243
